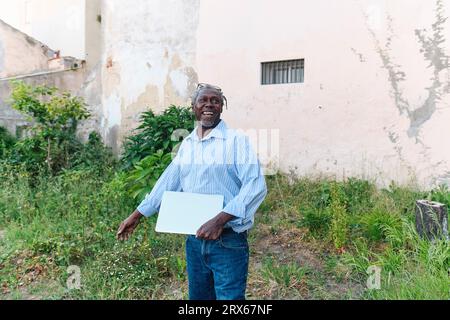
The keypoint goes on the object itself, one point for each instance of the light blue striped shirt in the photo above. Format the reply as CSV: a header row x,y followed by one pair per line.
x,y
222,163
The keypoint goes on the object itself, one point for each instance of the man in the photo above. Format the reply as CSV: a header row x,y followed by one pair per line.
x,y
212,160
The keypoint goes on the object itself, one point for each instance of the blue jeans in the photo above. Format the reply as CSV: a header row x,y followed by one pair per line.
x,y
217,269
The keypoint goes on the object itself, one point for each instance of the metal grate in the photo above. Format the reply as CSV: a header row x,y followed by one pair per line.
x,y
288,71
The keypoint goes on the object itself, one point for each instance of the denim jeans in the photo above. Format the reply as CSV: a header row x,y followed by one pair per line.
x,y
217,269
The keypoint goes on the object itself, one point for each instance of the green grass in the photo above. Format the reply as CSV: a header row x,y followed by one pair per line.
x,y
286,275
71,219
374,227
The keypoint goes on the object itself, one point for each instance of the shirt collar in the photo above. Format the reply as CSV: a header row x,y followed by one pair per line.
x,y
218,132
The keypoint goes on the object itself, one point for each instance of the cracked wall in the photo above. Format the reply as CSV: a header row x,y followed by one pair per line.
x,y
419,144
374,103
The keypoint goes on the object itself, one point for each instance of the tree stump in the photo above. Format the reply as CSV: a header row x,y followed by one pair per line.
x,y
431,220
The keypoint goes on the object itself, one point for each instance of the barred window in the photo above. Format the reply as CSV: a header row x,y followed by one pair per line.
x,y
288,71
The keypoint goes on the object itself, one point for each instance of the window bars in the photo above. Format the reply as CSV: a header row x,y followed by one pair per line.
x,y
288,71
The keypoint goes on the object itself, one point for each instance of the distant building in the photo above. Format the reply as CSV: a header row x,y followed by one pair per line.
x,y
70,26
351,88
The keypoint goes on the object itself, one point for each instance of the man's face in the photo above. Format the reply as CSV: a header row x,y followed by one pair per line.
x,y
208,108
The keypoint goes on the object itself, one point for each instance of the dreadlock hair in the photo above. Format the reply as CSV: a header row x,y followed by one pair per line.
x,y
206,86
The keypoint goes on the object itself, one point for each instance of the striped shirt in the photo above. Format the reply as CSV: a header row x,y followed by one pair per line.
x,y
222,163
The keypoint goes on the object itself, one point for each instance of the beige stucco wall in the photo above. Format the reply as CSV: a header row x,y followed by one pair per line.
x,y
93,33
20,53
355,114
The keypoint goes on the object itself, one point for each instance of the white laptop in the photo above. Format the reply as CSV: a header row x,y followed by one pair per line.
x,y
185,213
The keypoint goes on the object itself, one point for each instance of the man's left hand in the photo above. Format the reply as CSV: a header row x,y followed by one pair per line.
x,y
212,229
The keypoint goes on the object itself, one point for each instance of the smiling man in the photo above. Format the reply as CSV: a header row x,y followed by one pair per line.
x,y
212,160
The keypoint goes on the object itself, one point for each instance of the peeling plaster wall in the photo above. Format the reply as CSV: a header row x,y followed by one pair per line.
x,y
147,61
90,89
375,101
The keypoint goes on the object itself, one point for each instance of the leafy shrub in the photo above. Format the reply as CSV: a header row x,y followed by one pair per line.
x,y
55,113
53,146
155,133
93,155
316,220
55,116
7,141
358,194
146,172
324,198
39,154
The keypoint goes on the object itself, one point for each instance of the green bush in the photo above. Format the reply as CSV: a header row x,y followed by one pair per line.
x,y
148,152
93,155
55,116
141,179
56,113
358,194
156,133
323,197
316,220
53,146
7,141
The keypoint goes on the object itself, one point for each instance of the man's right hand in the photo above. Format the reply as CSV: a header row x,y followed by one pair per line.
x,y
127,227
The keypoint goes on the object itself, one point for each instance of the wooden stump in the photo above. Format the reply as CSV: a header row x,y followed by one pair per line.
x,y
431,220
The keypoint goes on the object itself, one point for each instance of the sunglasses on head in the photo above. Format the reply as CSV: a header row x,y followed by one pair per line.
x,y
207,85
210,86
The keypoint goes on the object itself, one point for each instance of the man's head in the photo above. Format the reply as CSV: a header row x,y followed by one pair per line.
x,y
207,104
